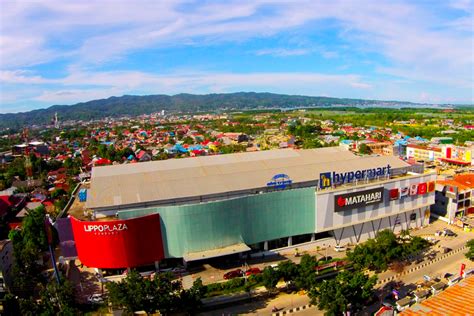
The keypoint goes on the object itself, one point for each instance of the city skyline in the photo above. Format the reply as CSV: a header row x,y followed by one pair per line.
x,y
53,52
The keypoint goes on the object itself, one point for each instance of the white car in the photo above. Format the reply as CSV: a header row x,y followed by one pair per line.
x,y
174,270
339,248
95,298
178,270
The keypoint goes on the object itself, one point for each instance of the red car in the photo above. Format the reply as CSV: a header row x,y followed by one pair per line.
x,y
233,274
253,271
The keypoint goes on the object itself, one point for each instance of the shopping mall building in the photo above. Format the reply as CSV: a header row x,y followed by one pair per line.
x,y
205,207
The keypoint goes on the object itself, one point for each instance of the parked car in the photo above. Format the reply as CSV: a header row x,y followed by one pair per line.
x,y
274,266
174,270
253,271
432,240
178,270
95,298
325,258
233,274
449,232
339,248
454,279
446,249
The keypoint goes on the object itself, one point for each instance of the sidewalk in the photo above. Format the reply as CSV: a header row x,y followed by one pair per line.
x,y
283,301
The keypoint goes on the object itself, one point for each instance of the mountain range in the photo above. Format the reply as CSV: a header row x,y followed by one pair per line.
x,y
137,105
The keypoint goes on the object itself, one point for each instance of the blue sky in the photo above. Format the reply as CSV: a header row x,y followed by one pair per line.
x,y
64,52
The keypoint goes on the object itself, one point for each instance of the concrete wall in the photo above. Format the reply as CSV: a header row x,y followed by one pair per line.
x,y
330,220
361,232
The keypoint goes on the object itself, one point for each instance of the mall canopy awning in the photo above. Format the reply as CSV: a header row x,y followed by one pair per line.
x,y
229,250
455,161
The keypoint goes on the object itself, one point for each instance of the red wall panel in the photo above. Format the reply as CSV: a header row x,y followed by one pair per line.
x,y
448,152
118,243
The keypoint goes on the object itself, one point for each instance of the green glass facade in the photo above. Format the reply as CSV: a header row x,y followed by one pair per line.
x,y
249,219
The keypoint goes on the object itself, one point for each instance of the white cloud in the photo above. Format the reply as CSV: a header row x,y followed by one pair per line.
x,y
419,43
21,77
75,95
361,85
103,84
283,52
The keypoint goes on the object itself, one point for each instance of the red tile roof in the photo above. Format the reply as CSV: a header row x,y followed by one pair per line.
x,y
455,300
463,181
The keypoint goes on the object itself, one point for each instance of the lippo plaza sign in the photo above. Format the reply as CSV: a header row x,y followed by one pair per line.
x,y
105,228
349,201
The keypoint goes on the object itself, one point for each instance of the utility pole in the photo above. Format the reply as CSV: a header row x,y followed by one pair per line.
x,y
49,234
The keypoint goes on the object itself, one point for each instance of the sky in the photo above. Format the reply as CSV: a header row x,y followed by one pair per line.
x,y
64,52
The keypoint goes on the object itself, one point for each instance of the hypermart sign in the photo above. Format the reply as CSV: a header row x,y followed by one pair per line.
x,y
349,201
328,179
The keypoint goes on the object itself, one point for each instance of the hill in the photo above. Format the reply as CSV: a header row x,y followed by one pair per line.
x,y
137,105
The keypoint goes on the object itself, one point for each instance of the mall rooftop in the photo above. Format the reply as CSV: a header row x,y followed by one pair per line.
x,y
222,176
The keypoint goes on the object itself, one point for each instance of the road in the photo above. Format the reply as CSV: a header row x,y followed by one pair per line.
x,y
213,273
264,307
450,264
87,283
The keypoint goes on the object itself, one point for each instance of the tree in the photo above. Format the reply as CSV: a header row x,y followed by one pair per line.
x,y
470,252
188,140
364,149
162,294
15,169
131,293
191,299
288,270
34,233
54,299
270,278
57,193
377,253
11,305
166,293
28,245
58,299
348,291
306,273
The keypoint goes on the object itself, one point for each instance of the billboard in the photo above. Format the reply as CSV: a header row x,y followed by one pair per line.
x,y
394,194
328,179
118,243
280,181
422,188
431,186
349,201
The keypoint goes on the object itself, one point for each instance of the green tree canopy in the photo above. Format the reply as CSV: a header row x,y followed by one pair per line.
x,y
376,254
470,251
28,245
270,278
347,292
162,294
